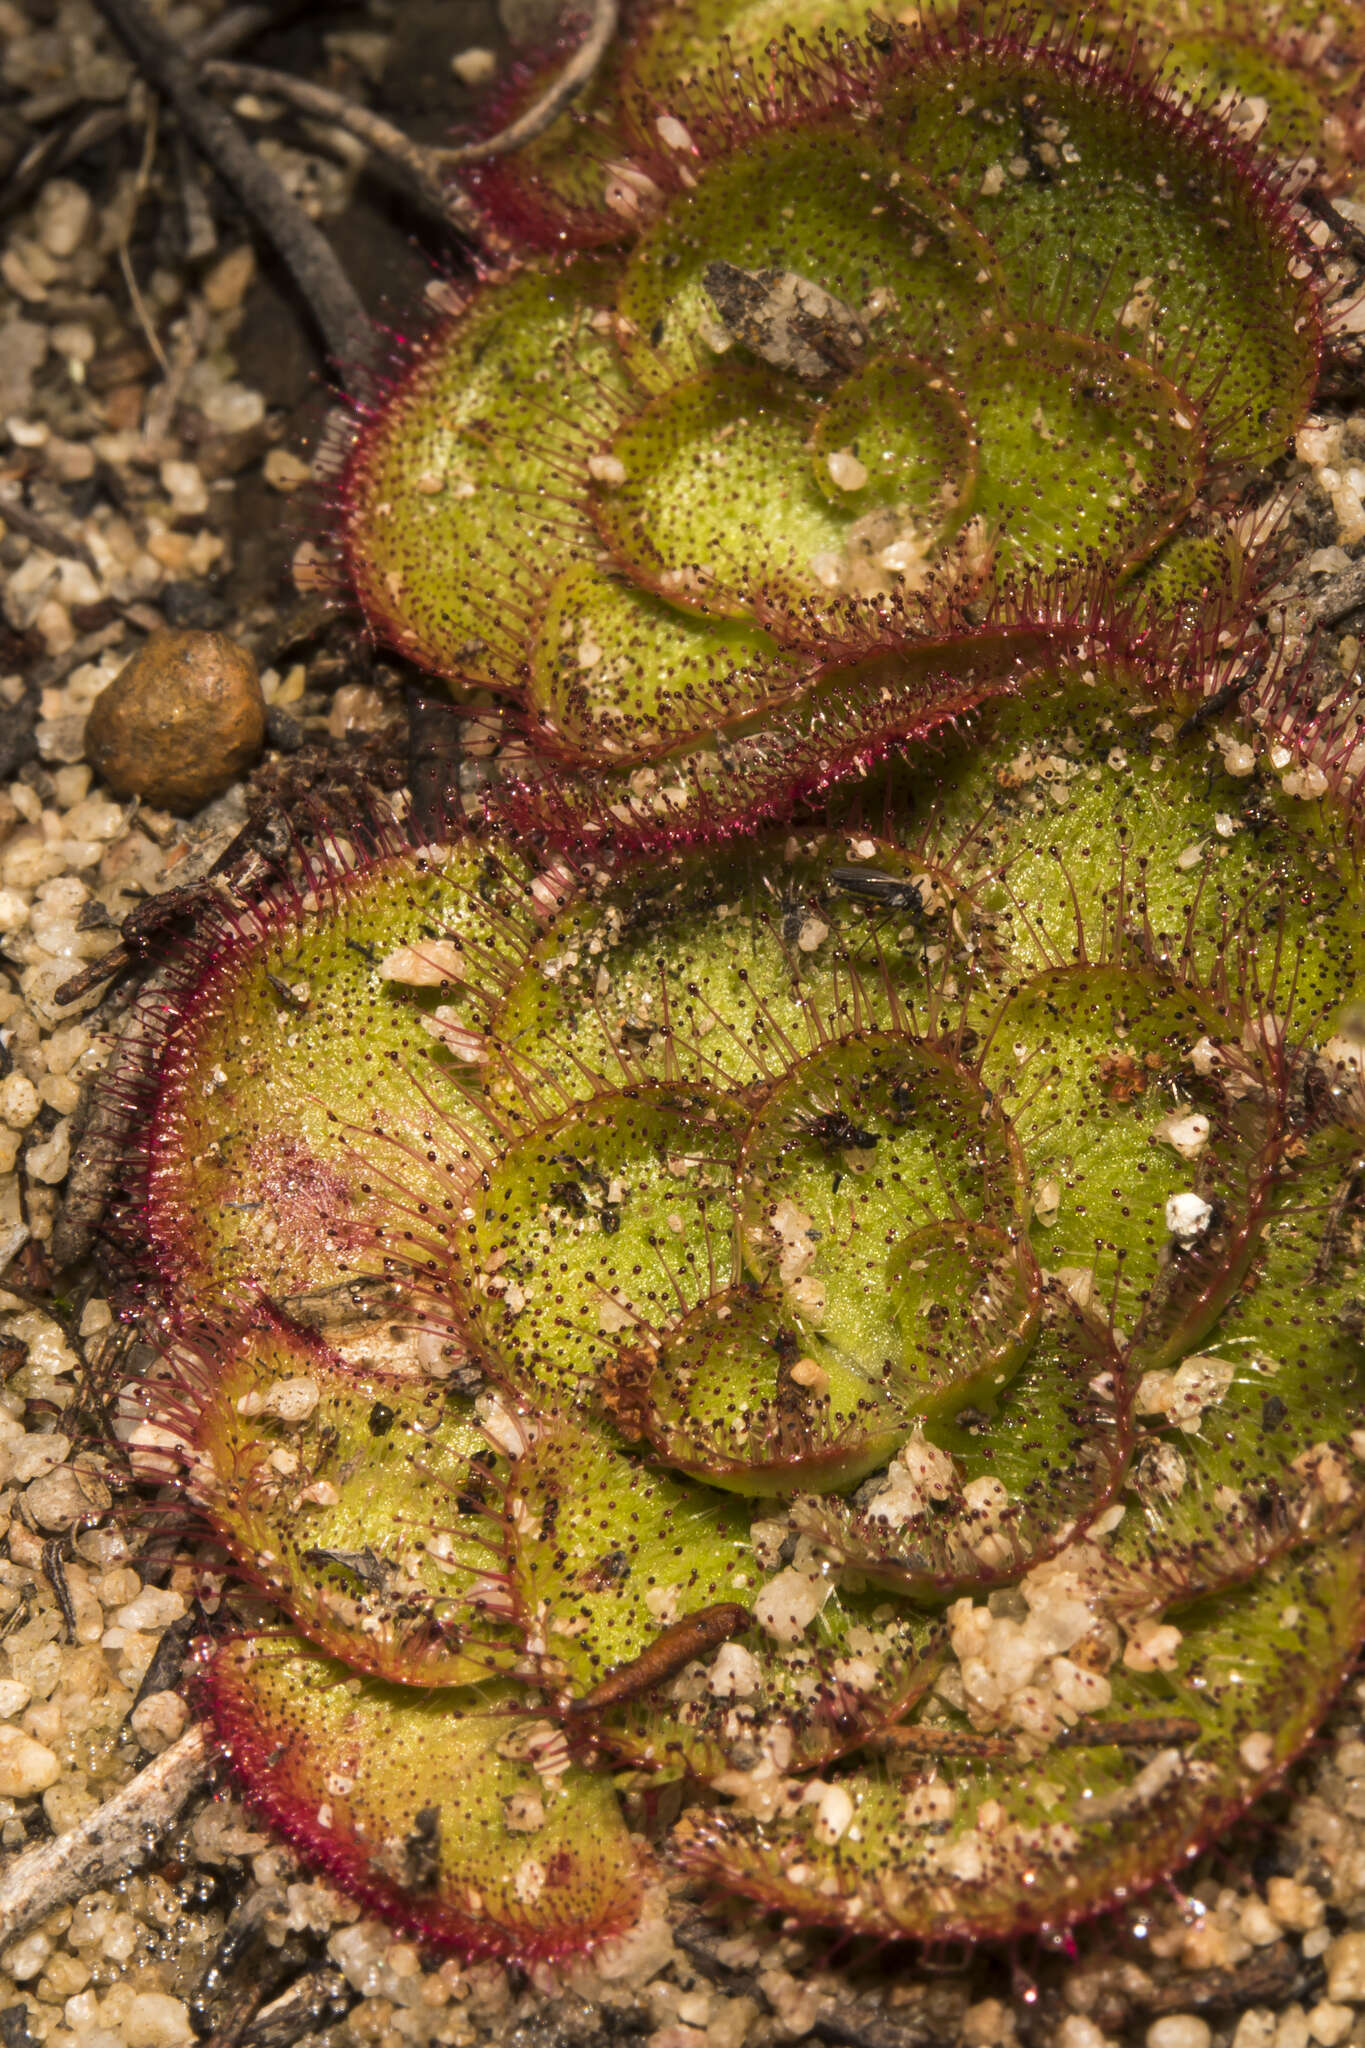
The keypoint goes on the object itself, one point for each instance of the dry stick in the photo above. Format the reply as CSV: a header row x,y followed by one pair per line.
x,y
113,1840
415,166
305,251
35,528
1345,593
420,165
125,242
577,73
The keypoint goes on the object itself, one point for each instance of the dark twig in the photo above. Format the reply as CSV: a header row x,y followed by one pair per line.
x,y
1317,201
414,167
1144,1731
229,1974
55,1574
421,167
932,1739
577,74
308,256
15,514
319,1996
859,2023
168,1658
1344,594
1271,1976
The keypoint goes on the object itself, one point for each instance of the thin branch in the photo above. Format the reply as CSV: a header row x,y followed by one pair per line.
x,y
576,76
1335,600
319,1996
305,251
238,25
421,166
34,527
414,167
125,241
1317,201
110,1842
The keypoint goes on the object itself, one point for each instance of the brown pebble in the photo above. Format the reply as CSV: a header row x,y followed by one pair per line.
x,y
180,721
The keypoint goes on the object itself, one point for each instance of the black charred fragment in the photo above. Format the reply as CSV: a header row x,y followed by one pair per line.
x,y
422,1849
245,1932
435,751
163,1673
55,1575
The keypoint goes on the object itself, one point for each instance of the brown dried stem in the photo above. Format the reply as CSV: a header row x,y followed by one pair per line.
x,y
419,166
576,76
110,1842
413,166
311,261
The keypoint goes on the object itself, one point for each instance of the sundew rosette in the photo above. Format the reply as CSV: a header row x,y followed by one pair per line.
x,y
930,345
740,1312
861,1327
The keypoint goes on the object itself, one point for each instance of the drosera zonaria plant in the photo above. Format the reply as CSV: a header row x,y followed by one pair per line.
x,y
848,1311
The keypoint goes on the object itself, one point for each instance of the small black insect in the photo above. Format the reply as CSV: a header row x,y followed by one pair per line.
x,y
285,993
836,1131
422,1848
870,885
1222,700
474,1494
